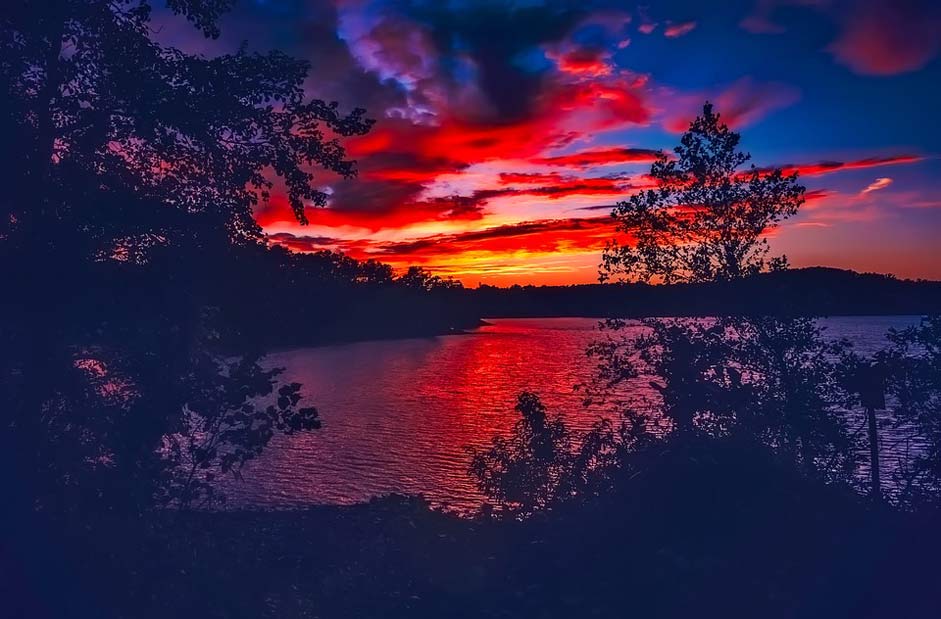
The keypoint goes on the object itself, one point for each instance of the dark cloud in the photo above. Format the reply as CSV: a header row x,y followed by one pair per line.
x,y
601,157
495,37
597,207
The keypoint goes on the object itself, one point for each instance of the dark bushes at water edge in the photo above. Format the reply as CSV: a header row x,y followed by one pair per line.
x,y
681,539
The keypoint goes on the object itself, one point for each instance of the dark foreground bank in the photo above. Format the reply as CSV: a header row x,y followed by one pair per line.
x,y
709,531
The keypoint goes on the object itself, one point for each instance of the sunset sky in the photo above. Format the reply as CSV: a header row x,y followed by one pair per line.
x,y
506,130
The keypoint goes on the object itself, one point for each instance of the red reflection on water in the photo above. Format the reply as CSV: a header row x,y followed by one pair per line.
x,y
399,416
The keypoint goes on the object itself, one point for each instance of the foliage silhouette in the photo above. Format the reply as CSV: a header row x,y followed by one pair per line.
x,y
134,170
705,219
912,362
419,279
543,465
99,111
770,379
527,472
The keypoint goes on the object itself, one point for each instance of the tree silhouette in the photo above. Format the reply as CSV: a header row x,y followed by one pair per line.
x,y
706,218
543,464
766,379
417,278
527,472
105,121
133,170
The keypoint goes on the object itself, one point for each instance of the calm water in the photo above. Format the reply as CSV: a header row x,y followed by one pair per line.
x,y
399,415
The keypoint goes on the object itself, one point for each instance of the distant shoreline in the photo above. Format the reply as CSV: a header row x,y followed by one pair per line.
x,y
808,292
814,291
485,323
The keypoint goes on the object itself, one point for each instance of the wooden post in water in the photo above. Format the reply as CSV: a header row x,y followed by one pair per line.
x,y
871,388
876,491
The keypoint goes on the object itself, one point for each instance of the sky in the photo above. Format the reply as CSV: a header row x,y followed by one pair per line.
x,y
507,129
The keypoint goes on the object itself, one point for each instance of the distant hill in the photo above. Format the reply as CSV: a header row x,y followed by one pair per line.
x,y
817,291
369,312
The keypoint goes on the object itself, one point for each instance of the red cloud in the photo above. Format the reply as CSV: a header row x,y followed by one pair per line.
x,y
747,101
541,236
580,186
407,209
454,142
886,37
744,102
552,186
583,61
877,185
876,37
606,104
510,178
398,160
551,235
435,125
395,215
679,29
826,167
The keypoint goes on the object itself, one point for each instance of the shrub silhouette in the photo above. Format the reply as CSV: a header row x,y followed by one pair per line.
x,y
528,471
912,365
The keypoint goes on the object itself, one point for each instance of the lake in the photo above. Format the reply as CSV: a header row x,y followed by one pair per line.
x,y
399,415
